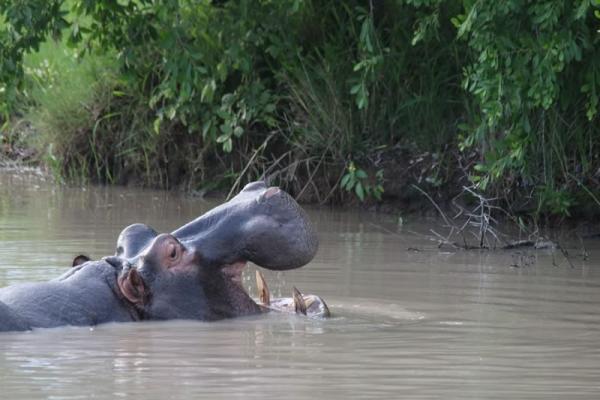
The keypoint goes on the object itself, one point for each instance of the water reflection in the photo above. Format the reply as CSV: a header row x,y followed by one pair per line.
x,y
416,324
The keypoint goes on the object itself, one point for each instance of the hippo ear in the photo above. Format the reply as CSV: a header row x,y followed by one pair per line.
x,y
80,259
133,288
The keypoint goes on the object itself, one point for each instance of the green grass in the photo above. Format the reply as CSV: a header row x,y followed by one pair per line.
x,y
81,118
65,97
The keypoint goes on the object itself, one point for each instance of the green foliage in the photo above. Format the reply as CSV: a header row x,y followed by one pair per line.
x,y
202,58
363,86
530,66
24,25
357,180
192,83
558,202
370,58
69,101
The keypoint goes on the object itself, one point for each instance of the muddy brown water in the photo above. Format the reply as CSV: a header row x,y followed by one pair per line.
x,y
425,324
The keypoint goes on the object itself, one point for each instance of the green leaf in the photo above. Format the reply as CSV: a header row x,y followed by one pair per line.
x,y
223,138
224,114
377,193
226,129
222,71
238,131
228,145
360,191
361,174
208,91
361,101
206,127
345,180
171,111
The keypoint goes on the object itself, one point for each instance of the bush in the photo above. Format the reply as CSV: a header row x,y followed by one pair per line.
x,y
310,92
67,100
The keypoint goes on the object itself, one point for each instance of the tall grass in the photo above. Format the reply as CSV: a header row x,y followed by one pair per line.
x,y
89,122
413,96
66,98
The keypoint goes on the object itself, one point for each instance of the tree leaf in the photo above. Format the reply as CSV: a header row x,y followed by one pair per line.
x,y
228,145
345,180
360,191
361,174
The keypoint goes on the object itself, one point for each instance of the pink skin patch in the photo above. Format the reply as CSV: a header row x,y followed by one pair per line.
x,y
171,255
270,192
234,271
186,262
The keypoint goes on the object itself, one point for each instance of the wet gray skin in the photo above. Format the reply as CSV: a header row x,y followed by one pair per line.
x,y
263,225
134,239
193,273
86,295
260,224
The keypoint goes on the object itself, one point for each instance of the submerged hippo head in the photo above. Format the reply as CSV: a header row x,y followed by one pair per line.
x,y
195,272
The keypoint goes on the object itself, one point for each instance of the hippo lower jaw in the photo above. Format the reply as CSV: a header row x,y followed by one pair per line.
x,y
228,297
234,294
309,305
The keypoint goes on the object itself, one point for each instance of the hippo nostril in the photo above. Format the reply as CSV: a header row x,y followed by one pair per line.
x,y
272,191
270,195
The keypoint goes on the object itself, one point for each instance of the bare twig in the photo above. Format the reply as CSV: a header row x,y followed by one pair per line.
x,y
265,175
261,148
565,254
434,204
312,175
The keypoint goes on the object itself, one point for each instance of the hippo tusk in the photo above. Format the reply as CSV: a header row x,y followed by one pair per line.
x,y
316,306
299,303
263,290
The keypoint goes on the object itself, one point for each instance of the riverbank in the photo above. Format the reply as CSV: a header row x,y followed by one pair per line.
x,y
415,185
385,105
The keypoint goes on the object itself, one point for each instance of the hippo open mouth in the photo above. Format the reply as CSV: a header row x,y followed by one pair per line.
x,y
196,271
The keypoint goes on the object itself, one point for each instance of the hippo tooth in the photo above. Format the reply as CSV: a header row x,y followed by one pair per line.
x,y
299,303
263,290
316,306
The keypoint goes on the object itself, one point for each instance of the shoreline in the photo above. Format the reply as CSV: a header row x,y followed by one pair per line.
x,y
404,200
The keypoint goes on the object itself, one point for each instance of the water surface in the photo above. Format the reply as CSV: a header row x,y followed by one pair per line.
x,y
410,320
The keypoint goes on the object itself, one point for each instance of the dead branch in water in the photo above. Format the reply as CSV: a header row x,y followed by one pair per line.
x,y
479,223
479,217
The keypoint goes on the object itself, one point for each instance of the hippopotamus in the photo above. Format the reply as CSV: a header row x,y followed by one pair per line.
x,y
193,272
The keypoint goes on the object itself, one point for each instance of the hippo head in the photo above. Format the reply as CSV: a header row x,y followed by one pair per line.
x,y
134,239
195,272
